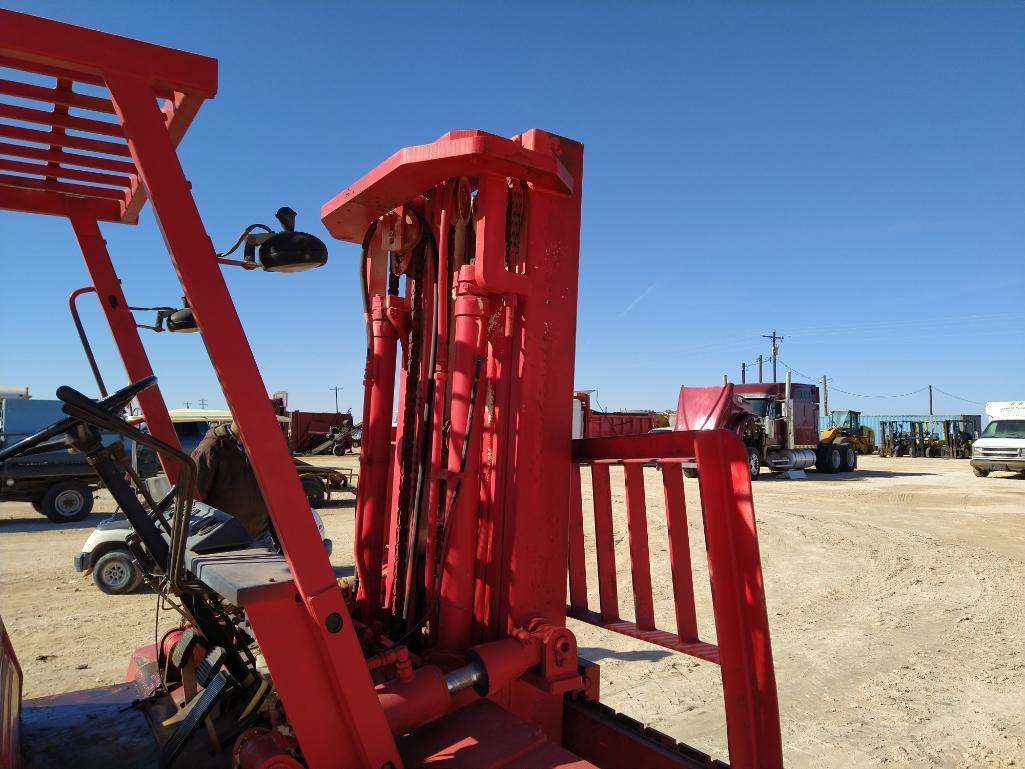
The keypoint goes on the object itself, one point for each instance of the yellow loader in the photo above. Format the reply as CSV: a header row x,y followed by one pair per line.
x,y
847,425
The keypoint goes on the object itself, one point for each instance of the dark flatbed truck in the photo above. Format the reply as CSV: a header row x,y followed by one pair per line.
x,y
58,484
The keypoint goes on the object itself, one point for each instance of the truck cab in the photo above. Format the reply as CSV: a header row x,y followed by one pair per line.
x,y
776,421
59,484
1001,447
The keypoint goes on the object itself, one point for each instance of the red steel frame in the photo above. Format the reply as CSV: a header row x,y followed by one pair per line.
x,y
744,651
320,675
512,337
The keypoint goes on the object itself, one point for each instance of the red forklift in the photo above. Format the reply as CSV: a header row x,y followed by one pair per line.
x,y
450,648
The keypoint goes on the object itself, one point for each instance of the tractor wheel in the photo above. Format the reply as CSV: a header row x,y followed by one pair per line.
x,y
754,462
314,489
979,472
848,458
829,459
115,573
67,501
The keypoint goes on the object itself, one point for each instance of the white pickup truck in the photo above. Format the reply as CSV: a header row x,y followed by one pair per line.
x,y
1002,444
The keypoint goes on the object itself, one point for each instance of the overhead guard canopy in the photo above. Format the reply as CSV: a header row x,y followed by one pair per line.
x,y
47,169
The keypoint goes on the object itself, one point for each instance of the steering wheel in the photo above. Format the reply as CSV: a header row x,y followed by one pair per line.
x,y
40,442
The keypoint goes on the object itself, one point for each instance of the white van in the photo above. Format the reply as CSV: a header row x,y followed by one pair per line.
x,y
1002,444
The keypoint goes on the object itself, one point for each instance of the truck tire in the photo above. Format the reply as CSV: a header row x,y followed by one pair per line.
x,y
690,472
67,501
115,573
829,459
848,458
979,472
314,488
339,450
754,462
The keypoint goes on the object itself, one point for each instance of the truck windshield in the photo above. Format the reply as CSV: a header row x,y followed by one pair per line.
x,y
1005,428
760,406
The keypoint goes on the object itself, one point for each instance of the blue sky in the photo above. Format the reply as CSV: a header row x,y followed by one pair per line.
x,y
852,175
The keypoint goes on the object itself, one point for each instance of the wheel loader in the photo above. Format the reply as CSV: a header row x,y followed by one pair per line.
x,y
846,426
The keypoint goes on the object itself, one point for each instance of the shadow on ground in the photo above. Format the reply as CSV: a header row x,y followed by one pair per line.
x,y
598,653
40,523
340,503
860,475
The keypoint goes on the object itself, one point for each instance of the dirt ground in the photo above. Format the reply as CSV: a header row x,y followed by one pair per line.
x,y
896,598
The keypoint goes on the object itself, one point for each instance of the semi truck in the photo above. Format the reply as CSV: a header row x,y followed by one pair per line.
x,y
59,484
1001,447
777,421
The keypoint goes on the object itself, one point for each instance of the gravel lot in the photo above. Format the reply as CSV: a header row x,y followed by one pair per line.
x,y
896,598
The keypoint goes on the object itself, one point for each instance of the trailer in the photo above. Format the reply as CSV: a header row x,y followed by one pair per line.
x,y
588,423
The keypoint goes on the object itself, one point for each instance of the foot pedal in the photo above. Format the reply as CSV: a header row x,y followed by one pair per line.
x,y
203,706
183,649
210,666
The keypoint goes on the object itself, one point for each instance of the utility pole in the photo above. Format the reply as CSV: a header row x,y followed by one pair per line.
x,y
775,350
930,400
825,397
188,404
336,388
743,373
759,369
202,403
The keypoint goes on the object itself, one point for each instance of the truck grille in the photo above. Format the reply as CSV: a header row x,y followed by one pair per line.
x,y
996,453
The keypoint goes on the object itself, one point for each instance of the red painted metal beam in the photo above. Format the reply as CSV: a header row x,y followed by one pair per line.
x,y
36,42
84,124
577,553
61,140
56,96
59,172
123,328
679,551
458,153
640,560
37,201
347,726
66,158
604,542
741,621
75,190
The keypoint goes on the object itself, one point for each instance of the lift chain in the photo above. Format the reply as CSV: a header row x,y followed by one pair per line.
x,y
407,475
514,225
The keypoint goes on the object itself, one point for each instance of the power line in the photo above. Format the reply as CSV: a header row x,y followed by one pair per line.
x,y
864,395
958,397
